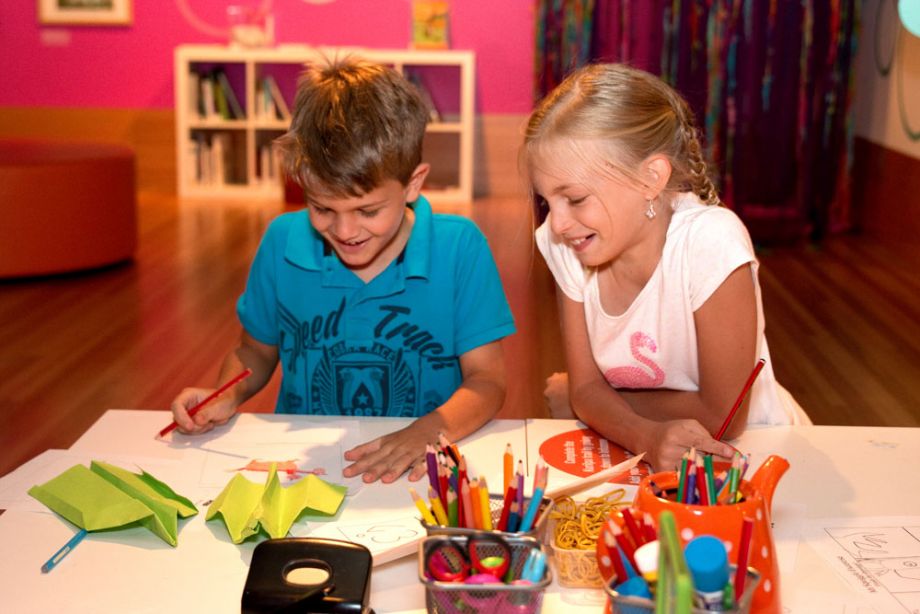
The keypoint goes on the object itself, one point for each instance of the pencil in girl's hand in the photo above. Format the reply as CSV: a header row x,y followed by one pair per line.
x,y
744,392
194,410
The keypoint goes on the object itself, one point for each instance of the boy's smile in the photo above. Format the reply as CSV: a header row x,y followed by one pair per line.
x,y
367,232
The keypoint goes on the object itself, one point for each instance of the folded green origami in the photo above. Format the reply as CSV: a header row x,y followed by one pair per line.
x,y
248,507
109,497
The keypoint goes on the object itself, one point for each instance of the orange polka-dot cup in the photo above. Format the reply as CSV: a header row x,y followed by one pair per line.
x,y
724,521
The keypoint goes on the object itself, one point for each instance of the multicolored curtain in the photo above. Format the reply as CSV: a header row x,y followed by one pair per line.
x,y
771,83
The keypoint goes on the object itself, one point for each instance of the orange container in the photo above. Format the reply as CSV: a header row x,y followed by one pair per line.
x,y
723,521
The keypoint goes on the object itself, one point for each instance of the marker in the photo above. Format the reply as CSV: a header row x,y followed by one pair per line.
x,y
64,551
708,564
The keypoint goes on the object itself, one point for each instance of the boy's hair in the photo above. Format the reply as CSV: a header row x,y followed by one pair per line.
x,y
355,125
635,112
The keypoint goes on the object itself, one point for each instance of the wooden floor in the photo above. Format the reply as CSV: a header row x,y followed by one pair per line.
x,y
843,324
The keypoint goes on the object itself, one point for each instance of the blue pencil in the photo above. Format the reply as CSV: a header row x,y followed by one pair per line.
x,y
60,554
531,514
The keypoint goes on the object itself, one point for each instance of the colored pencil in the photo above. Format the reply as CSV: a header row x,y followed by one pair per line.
x,y
508,462
453,516
615,553
510,497
199,406
740,399
710,480
701,482
531,514
476,503
422,508
485,505
744,549
468,508
64,551
632,527
682,478
436,507
431,462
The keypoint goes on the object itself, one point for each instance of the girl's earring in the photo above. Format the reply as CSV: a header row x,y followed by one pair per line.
x,y
650,212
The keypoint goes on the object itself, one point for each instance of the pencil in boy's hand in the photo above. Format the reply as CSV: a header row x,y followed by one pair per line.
x,y
744,392
200,405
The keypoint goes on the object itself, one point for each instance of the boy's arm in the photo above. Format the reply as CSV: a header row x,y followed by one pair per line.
x,y
609,413
474,403
250,353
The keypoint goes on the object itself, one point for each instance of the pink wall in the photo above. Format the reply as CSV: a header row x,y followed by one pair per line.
x,y
131,66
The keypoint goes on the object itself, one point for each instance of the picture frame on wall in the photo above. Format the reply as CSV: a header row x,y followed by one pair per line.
x,y
85,12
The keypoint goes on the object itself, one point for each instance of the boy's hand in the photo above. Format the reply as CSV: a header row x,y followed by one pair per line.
x,y
669,441
388,457
215,413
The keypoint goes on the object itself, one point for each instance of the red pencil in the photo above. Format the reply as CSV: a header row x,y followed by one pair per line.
x,y
744,392
194,410
744,549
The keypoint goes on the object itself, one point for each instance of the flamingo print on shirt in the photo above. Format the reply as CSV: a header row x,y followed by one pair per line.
x,y
637,377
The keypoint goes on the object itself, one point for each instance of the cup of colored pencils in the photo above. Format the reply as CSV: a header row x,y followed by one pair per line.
x,y
459,503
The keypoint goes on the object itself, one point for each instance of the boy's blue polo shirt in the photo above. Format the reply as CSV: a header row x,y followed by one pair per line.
x,y
390,347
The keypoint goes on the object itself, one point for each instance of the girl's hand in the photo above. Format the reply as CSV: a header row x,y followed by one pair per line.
x,y
669,441
215,413
388,457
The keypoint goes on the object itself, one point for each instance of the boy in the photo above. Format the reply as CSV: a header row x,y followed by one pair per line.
x,y
374,306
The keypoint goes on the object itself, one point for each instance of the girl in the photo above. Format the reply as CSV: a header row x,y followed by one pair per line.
x,y
660,305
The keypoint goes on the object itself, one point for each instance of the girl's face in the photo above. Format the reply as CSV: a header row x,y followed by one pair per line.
x,y
599,215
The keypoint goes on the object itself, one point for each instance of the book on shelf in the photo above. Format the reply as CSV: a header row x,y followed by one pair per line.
x,y
208,102
279,105
235,111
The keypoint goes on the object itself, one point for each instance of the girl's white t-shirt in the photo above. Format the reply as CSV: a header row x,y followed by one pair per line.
x,y
653,343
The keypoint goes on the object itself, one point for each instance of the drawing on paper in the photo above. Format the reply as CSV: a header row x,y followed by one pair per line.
x,y
324,460
288,469
888,558
387,540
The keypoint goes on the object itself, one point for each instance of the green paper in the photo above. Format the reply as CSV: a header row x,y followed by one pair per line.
x,y
109,497
247,507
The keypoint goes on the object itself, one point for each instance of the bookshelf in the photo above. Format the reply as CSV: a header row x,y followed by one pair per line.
x,y
231,103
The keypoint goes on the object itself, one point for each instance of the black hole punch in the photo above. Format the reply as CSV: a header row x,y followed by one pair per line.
x,y
305,574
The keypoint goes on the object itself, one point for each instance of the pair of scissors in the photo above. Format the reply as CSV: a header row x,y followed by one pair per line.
x,y
481,558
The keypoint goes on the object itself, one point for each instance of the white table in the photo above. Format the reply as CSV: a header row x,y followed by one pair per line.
x,y
844,472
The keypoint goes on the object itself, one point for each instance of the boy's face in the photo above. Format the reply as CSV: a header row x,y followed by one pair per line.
x,y
369,231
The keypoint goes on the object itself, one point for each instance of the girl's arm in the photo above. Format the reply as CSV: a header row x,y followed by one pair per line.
x,y
726,332
474,403
609,412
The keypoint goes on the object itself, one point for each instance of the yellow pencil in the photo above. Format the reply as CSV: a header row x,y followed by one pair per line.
x,y
420,504
437,508
486,508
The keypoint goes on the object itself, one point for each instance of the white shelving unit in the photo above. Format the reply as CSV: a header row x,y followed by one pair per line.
x,y
238,167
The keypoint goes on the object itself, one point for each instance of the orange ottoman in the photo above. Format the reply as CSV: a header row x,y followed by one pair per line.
x,y
65,206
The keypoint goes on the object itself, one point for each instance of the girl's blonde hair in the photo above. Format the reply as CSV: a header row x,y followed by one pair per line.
x,y
636,113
